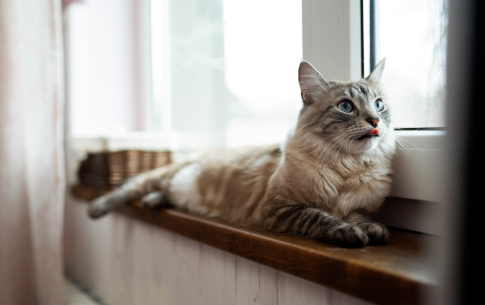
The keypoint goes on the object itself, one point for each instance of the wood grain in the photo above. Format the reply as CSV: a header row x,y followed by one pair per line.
x,y
398,273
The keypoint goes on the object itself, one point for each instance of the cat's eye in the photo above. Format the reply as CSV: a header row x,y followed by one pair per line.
x,y
379,105
346,106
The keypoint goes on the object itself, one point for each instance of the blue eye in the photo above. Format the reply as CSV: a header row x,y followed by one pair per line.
x,y
379,105
346,106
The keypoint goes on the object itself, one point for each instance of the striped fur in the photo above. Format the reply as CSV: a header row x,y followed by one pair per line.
x,y
324,182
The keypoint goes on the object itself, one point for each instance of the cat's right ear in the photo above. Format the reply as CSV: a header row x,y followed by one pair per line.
x,y
376,74
312,83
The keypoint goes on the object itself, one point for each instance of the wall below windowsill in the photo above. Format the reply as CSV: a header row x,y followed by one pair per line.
x,y
398,273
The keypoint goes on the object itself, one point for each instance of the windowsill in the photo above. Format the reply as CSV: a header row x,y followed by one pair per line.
x,y
397,273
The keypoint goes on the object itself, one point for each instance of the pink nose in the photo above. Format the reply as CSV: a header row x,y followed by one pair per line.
x,y
373,122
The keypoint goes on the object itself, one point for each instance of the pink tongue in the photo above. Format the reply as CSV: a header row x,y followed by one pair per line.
x,y
373,132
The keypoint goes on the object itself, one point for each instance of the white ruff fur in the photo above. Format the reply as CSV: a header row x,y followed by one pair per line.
x,y
341,181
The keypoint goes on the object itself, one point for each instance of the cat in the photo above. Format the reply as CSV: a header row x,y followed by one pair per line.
x,y
324,182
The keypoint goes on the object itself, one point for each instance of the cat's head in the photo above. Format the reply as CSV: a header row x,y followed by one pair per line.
x,y
346,117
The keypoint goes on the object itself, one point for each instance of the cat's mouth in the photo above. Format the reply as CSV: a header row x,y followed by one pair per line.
x,y
367,137
370,134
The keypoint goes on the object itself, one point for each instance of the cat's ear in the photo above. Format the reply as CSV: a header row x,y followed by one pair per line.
x,y
376,74
311,82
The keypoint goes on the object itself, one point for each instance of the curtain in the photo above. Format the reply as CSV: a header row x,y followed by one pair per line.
x,y
32,183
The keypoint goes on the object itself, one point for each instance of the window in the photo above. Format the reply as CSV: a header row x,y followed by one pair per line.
x,y
217,73
225,73
412,36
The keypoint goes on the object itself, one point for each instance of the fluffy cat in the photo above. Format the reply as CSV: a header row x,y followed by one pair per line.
x,y
324,182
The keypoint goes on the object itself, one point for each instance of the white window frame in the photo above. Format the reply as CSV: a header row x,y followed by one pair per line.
x,y
332,43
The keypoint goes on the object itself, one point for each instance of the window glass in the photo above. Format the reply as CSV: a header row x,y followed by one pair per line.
x,y
263,48
412,37
232,66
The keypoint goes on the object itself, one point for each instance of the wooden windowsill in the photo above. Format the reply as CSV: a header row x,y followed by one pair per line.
x,y
398,273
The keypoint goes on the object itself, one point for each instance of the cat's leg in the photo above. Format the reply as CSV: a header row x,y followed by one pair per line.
x,y
108,202
133,189
316,224
377,232
157,180
154,200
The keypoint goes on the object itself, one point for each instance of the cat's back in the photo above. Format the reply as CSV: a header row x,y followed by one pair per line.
x,y
225,183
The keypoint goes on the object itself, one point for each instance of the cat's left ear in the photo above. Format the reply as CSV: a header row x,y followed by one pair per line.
x,y
311,82
376,74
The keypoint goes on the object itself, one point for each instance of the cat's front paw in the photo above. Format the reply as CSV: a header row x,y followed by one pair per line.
x,y
347,236
377,232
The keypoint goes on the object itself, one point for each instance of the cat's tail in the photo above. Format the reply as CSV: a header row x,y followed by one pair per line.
x,y
151,187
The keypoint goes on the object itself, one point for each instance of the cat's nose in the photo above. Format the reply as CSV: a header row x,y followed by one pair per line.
x,y
373,121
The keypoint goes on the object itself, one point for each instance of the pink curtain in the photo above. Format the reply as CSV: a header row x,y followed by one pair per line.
x,y
31,152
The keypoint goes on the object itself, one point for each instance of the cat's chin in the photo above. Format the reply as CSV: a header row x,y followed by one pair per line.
x,y
365,144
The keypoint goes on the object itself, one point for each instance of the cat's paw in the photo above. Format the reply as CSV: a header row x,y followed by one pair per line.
x,y
348,236
377,232
98,208
153,200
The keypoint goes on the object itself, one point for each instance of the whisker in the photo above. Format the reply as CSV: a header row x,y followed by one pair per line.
x,y
403,147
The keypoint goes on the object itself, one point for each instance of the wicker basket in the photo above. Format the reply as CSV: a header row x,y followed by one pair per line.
x,y
107,170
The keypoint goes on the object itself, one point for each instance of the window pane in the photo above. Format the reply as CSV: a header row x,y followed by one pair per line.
x,y
232,69
412,37
262,53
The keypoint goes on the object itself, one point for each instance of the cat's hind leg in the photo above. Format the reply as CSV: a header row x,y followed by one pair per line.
x,y
106,203
154,200
144,186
